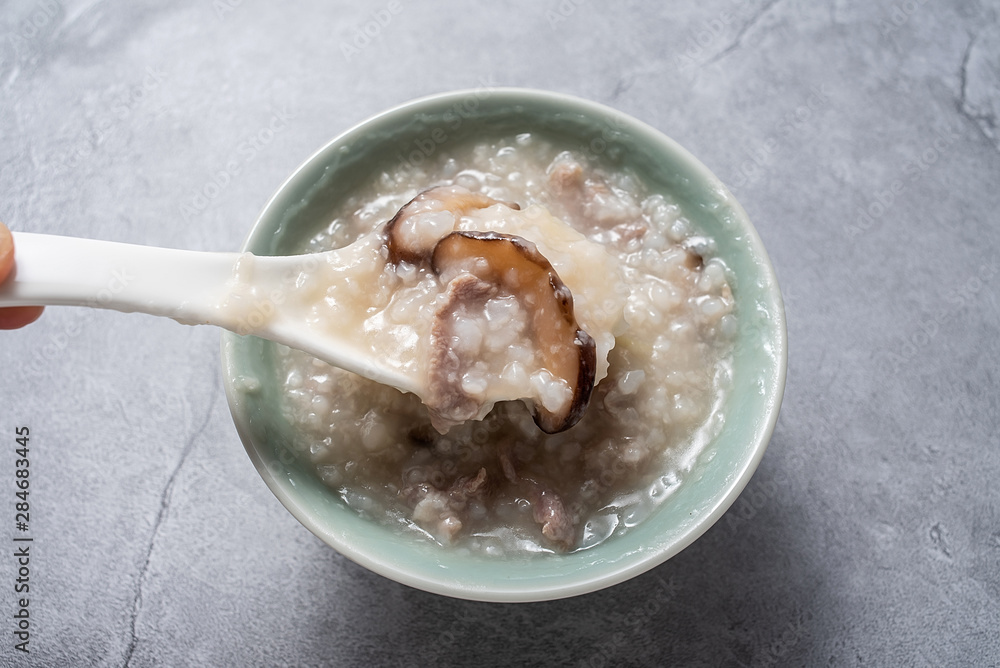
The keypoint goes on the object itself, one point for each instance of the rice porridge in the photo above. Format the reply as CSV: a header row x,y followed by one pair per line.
x,y
579,275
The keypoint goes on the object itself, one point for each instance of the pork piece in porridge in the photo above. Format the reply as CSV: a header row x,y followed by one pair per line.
x,y
512,231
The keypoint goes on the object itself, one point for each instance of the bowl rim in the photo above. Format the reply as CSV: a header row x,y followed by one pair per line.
x,y
640,562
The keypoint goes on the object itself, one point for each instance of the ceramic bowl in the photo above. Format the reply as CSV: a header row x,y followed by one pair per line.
x,y
301,207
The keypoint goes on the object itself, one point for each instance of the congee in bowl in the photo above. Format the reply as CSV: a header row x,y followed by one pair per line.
x,y
531,245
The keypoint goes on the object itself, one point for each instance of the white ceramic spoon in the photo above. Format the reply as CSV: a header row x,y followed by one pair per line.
x,y
192,287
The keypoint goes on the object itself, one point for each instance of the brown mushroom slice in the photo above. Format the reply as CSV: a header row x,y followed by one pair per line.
x,y
481,265
411,234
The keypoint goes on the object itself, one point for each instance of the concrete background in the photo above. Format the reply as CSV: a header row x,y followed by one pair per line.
x,y
862,137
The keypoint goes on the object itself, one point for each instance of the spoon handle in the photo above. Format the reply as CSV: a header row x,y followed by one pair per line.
x,y
179,284
240,292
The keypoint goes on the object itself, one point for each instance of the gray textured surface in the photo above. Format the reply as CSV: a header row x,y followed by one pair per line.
x,y
871,532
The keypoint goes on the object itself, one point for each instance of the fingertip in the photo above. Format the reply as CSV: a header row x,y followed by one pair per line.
x,y
6,252
15,317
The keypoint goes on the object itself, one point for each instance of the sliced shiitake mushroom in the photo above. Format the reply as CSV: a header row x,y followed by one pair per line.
x,y
406,246
481,261
477,266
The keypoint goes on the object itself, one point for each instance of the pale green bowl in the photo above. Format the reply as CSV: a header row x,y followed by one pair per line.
x,y
303,204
